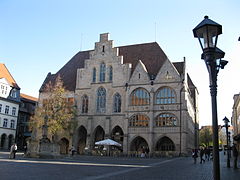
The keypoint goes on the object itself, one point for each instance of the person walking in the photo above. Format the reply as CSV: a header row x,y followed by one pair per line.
x,y
207,153
195,155
235,156
13,150
201,155
72,150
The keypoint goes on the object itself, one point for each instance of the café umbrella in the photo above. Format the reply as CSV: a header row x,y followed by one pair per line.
x,y
108,142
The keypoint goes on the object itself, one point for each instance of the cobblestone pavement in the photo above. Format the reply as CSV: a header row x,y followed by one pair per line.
x,y
93,167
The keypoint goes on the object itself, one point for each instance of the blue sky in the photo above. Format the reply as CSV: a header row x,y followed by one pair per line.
x,y
40,36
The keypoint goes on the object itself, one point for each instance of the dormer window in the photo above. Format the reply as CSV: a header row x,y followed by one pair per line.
x,y
14,93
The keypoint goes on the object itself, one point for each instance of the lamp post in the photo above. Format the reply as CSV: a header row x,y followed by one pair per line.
x,y
207,33
226,121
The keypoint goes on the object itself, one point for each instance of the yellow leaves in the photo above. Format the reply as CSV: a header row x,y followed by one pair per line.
x,y
57,111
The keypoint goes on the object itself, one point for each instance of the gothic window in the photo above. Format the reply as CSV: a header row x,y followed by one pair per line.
x,y
101,100
94,75
166,119
140,97
139,120
102,72
110,73
117,103
165,95
84,104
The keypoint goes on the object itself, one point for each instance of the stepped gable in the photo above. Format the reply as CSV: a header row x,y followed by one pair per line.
x,y
150,54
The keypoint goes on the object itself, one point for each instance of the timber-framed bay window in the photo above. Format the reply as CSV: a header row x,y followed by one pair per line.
x,y
165,95
139,120
101,100
140,97
166,119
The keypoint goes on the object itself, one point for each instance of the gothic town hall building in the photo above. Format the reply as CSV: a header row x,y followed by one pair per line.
x,y
132,94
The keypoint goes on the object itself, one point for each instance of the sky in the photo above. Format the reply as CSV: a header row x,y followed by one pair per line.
x,y
40,36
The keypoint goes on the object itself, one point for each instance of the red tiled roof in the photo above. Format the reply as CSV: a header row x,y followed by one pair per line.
x,y
25,96
150,54
4,73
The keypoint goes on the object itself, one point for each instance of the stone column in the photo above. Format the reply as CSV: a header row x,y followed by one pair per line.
x,y
125,144
151,123
107,127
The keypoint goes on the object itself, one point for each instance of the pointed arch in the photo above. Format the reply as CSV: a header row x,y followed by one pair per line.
x,y
165,144
82,138
99,134
139,145
117,134
165,95
101,100
64,145
139,97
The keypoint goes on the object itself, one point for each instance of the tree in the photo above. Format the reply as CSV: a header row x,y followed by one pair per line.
x,y
205,136
56,112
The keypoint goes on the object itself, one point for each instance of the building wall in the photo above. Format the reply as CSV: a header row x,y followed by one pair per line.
x,y
26,110
125,82
7,133
236,118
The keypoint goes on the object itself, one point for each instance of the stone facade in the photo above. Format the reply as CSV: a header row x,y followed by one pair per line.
x,y
236,119
132,94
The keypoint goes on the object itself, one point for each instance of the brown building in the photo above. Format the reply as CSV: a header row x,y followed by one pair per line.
x,y
26,110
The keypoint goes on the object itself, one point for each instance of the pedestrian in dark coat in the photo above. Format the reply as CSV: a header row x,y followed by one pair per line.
x,y
201,155
235,156
207,153
195,155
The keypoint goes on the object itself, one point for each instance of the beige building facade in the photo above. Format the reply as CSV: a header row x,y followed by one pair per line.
x,y
236,119
132,94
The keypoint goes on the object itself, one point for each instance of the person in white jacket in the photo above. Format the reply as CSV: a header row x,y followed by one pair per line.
x,y
13,151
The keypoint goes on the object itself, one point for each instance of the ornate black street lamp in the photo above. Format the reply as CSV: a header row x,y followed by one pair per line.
x,y
226,121
207,33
